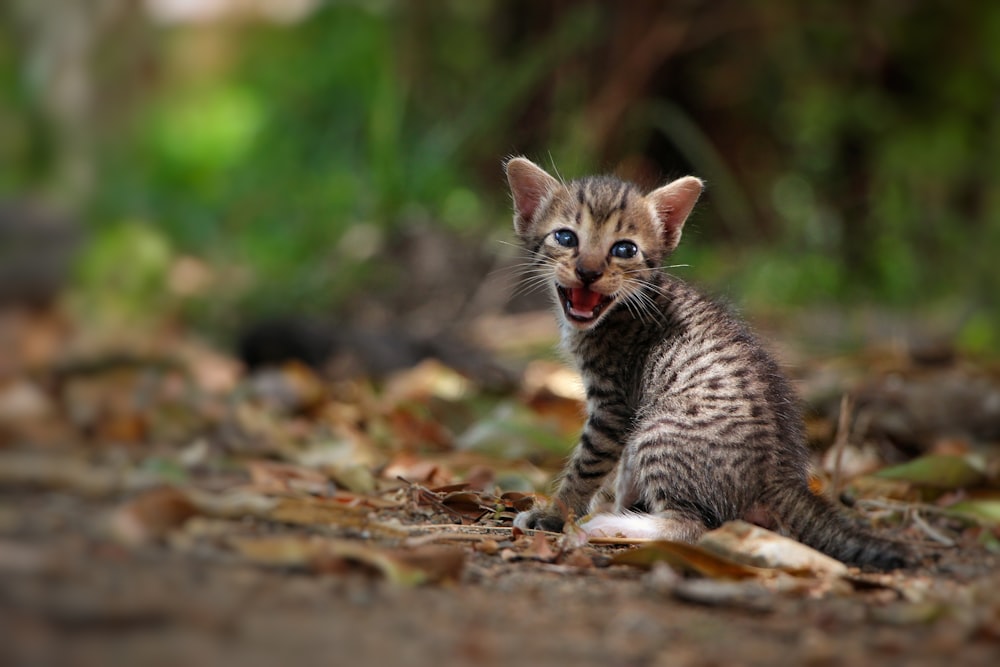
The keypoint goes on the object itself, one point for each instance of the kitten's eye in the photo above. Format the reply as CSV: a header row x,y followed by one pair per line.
x,y
624,250
565,238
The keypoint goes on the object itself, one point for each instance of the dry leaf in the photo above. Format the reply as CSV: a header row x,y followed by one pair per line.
x,y
274,477
746,543
414,469
152,515
407,567
355,477
467,503
318,511
540,549
517,501
429,378
690,558
938,471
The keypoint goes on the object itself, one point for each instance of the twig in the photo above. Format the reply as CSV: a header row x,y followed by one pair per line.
x,y
840,441
932,532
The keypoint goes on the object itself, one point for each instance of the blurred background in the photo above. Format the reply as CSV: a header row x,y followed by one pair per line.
x,y
215,164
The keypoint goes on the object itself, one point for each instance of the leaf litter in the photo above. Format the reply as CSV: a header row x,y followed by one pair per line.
x,y
410,482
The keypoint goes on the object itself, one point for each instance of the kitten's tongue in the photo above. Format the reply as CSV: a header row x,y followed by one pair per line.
x,y
583,299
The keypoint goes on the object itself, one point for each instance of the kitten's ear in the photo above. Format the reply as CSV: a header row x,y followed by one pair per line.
x,y
530,185
673,203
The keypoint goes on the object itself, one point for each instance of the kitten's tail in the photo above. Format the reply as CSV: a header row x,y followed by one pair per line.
x,y
814,521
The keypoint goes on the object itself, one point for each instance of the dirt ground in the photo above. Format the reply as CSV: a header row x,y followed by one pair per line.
x,y
72,597
152,517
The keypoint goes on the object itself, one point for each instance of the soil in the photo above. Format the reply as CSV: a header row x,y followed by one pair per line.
x,y
71,596
143,522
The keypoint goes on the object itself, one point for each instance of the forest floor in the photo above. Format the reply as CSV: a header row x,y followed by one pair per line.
x,y
163,506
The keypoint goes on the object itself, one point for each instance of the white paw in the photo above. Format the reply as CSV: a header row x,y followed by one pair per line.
x,y
631,525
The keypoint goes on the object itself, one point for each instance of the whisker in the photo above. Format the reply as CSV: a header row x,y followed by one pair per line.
x,y
523,268
640,302
528,287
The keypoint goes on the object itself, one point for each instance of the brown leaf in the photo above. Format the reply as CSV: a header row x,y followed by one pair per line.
x,y
466,503
407,567
413,431
274,477
152,515
690,558
318,511
414,469
518,501
540,549
449,488
429,378
746,543
480,478
577,558
355,477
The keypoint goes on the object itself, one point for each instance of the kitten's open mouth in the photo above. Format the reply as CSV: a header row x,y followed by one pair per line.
x,y
581,304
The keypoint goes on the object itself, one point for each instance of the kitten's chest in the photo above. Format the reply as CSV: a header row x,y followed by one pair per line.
x,y
612,368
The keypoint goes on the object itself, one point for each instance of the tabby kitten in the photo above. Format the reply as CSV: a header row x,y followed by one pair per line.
x,y
682,401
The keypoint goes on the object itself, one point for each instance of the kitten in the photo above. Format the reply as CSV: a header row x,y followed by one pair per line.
x,y
682,402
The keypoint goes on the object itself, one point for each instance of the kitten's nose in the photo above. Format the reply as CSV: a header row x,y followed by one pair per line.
x,y
588,276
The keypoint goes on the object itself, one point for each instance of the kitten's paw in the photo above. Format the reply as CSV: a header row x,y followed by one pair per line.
x,y
636,525
540,518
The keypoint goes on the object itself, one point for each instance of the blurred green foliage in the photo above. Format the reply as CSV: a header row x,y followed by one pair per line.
x,y
851,149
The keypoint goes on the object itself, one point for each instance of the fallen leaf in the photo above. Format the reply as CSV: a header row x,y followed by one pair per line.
x,y
429,378
540,549
414,469
406,567
938,471
752,545
981,510
275,477
413,430
689,558
355,477
152,515
467,503
519,502
21,401
487,546
317,511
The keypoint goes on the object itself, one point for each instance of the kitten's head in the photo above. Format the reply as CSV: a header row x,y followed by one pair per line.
x,y
600,238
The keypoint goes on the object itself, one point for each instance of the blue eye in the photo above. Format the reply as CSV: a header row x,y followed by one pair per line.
x,y
624,250
565,238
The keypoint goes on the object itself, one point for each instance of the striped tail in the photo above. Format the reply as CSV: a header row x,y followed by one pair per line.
x,y
814,521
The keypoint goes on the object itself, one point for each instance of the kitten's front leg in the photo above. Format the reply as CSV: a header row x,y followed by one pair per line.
x,y
595,456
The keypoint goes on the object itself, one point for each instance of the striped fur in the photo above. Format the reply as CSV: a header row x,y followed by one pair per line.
x,y
683,404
